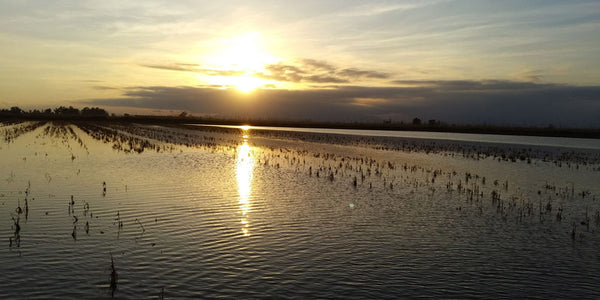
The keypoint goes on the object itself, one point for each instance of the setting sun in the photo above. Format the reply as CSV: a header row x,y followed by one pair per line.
x,y
247,84
242,58
246,53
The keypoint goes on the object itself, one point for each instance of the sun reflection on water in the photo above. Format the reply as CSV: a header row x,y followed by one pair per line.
x,y
244,167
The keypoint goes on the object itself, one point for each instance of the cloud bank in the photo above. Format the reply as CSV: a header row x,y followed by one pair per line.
x,y
476,102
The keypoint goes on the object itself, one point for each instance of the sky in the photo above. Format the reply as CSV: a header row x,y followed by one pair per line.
x,y
531,63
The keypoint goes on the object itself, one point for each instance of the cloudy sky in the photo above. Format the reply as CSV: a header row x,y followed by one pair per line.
x,y
501,62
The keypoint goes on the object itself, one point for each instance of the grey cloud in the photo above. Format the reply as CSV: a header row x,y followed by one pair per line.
x,y
470,85
320,72
491,102
530,75
317,64
355,73
324,79
280,72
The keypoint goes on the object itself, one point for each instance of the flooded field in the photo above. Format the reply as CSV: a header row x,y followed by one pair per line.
x,y
126,211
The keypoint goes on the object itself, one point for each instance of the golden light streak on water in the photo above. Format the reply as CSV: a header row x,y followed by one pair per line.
x,y
244,168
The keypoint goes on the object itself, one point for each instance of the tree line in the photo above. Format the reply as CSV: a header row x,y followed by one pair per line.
x,y
61,111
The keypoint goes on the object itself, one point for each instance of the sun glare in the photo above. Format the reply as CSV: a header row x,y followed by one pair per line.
x,y
243,57
247,84
243,169
245,52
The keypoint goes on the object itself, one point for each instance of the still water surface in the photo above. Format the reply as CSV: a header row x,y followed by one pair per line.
x,y
235,216
577,143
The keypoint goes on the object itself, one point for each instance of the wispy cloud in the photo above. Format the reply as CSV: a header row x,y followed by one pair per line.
x,y
529,74
317,65
315,71
356,73
173,67
300,71
374,9
104,88
185,67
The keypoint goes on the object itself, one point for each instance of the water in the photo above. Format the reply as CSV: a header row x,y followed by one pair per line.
x,y
225,213
576,143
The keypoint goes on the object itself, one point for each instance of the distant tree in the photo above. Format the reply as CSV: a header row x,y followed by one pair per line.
x,y
432,122
183,114
16,110
93,112
58,110
416,121
66,111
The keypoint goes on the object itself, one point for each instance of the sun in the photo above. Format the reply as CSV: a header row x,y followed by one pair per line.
x,y
245,52
241,60
247,84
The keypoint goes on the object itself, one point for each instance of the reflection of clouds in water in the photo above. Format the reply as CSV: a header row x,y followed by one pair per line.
x,y
243,169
